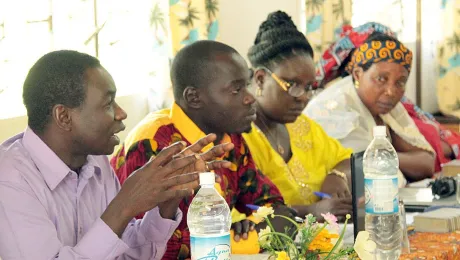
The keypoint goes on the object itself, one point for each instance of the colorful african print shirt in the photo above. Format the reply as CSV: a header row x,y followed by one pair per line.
x,y
241,184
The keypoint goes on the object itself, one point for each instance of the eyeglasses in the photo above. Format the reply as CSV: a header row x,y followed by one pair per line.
x,y
293,88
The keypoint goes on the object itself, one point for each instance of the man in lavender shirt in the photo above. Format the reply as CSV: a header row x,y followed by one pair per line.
x,y
59,198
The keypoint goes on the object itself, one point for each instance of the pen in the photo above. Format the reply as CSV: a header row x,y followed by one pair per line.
x,y
253,207
322,195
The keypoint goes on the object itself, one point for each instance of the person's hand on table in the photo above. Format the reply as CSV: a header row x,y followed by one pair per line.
x,y
336,186
242,228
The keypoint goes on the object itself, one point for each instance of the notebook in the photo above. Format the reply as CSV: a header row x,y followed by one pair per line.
x,y
442,220
451,169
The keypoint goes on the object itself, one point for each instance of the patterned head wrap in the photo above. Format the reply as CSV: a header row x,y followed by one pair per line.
x,y
377,51
327,68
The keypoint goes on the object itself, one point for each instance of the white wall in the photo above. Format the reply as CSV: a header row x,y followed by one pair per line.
x,y
240,19
431,33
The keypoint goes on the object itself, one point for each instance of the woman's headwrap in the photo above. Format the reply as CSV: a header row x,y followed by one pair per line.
x,y
327,68
377,51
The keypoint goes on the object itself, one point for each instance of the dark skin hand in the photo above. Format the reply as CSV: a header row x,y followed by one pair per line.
x,y
242,229
179,171
335,185
205,162
340,204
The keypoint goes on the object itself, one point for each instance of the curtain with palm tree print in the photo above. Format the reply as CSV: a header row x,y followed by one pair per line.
x,y
193,20
324,19
159,91
449,59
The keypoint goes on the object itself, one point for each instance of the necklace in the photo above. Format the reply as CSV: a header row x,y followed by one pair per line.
x,y
279,147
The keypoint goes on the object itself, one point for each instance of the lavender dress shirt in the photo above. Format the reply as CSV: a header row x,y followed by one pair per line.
x,y
47,211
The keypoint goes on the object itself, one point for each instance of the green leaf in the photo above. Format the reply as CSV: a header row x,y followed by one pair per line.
x,y
211,7
192,15
314,5
157,17
454,43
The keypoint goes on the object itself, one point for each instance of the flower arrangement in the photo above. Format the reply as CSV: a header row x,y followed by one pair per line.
x,y
310,240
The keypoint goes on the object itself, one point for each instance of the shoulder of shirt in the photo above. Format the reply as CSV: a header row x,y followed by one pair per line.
x,y
15,162
334,100
332,92
147,128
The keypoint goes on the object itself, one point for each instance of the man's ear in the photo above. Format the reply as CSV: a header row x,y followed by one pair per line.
x,y
62,116
191,97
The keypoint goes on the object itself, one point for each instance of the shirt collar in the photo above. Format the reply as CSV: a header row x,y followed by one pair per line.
x,y
189,130
53,169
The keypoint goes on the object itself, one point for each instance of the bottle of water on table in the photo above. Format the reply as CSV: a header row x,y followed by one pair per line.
x,y
380,165
209,221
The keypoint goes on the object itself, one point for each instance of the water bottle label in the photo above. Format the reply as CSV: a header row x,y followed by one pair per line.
x,y
381,195
210,248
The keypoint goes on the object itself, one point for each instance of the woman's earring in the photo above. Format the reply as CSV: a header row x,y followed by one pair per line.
x,y
356,84
259,92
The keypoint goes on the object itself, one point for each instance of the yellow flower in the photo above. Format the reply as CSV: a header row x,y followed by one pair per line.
x,y
263,212
282,256
323,241
264,237
364,247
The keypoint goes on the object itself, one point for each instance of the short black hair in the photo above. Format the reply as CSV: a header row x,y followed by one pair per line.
x,y
192,66
56,78
276,40
375,36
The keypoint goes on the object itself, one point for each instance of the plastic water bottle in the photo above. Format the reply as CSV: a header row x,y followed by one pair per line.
x,y
380,165
209,221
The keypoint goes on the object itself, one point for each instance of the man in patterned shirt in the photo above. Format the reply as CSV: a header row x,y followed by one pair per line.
x,y
210,82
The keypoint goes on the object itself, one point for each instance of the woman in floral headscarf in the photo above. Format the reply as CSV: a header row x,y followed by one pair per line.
x,y
377,67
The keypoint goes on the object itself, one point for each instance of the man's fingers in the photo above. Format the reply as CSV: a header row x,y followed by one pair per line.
x,y
174,194
245,229
178,164
237,228
217,151
200,144
179,180
214,165
166,155
252,226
